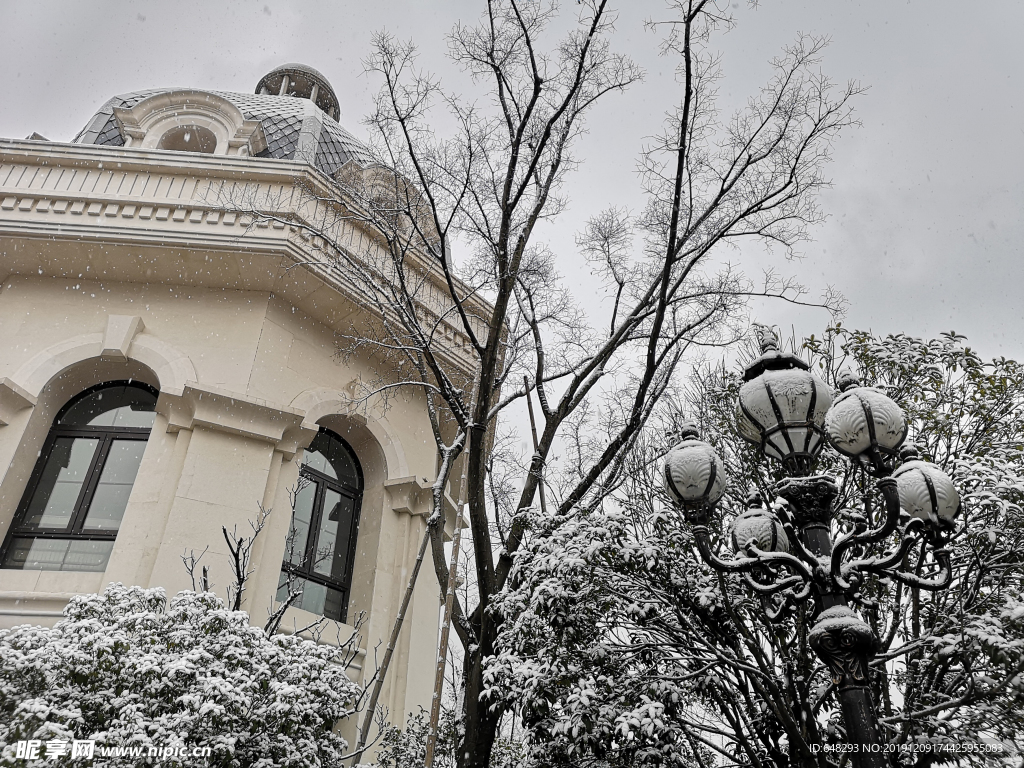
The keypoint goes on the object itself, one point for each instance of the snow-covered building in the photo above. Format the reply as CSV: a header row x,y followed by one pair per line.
x,y
168,365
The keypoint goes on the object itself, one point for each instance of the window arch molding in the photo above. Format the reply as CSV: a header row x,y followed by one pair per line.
x,y
324,406
221,127
71,510
171,368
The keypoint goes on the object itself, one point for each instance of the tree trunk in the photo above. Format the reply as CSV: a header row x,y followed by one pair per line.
x,y
481,725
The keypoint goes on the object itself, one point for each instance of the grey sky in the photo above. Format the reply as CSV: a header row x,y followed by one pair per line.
x,y
926,214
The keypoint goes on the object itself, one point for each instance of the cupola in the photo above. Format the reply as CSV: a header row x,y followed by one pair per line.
x,y
302,82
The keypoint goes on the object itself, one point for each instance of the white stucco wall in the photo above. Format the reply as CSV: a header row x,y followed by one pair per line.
x,y
245,354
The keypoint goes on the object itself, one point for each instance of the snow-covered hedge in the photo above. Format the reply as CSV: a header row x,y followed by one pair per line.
x,y
127,667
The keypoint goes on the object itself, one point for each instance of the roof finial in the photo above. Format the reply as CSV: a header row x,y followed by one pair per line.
x,y
766,338
682,428
910,452
847,378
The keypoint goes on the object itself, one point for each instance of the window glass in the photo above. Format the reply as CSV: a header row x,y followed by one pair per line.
x,y
57,554
329,455
65,471
327,540
115,485
189,138
315,598
337,526
316,460
295,549
119,406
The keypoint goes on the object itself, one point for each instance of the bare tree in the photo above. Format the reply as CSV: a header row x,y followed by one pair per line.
x,y
191,562
240,549
388,232
292,586
240,555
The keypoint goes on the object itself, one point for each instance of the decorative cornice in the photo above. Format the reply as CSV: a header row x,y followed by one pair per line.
x,y
410,495
13,398
236,414
90,156
27,603
70,192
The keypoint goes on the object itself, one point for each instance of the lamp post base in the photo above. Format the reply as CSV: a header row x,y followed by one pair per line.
x,y
846,644
861,729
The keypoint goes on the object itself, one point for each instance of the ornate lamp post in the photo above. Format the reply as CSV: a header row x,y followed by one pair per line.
x,y
794,556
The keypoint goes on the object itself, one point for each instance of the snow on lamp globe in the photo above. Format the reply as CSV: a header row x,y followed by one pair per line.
x,y
926,492
864,424
694,474
782,407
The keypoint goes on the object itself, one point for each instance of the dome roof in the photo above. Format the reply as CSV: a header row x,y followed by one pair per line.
x,y
296,124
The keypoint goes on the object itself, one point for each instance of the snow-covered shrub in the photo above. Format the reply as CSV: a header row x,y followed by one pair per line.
x,y
129,668
408,747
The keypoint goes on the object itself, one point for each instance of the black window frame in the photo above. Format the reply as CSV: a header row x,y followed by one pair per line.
x,y
106,436
305,571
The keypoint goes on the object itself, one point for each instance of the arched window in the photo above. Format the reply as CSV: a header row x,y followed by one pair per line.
x,y
190,121
322,540
78,491
189,138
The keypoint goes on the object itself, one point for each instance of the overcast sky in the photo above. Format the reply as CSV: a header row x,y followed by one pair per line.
x,y
926,213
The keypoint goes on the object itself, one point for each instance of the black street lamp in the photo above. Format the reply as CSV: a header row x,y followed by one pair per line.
x,y
793,556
